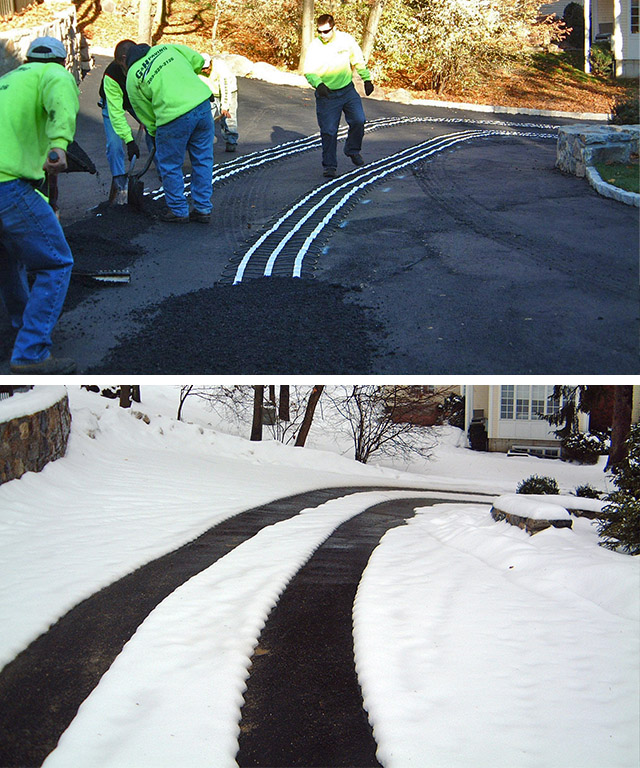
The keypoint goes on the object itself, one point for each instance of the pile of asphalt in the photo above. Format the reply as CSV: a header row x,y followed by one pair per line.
x,y
264,326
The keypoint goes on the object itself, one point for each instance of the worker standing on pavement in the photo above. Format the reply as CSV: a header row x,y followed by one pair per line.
x,y
173,103
328,68
115,105
224,87
39,105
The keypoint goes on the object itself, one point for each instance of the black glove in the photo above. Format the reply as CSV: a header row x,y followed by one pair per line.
x,y
132,149
368,87
322,91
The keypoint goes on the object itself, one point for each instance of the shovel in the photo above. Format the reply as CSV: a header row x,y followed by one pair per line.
x,y
135,187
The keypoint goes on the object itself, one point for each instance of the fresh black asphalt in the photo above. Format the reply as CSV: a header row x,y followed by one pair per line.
x,y
42,688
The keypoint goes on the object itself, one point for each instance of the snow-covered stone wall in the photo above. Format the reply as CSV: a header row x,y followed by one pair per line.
x,y
34,430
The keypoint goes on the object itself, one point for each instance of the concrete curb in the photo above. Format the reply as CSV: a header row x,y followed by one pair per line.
x,y
609,190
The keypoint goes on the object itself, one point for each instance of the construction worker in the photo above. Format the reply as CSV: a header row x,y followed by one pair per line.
x,y
173,103
39,105
224,87
328,68
115,105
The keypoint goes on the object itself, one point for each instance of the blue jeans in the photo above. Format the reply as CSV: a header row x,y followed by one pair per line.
x,y
31,239
329,110
115,146
192,133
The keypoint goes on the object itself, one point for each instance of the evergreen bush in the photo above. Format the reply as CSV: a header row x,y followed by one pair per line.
x,y
587,492
537,484
626,111
619,523
602,60
585,447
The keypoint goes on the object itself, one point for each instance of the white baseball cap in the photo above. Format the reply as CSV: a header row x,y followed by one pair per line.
x,y
46,49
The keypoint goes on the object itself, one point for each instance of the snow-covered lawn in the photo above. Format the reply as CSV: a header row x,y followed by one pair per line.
x,y
476,644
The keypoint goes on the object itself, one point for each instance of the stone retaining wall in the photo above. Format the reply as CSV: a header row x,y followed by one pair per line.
x,y
580,146
28,443
15,43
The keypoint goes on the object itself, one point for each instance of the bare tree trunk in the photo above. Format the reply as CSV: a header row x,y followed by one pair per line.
x,y
256,426
125,396
316,392
375,12
621,424
283,406
306,36
135,393
185,391
144,22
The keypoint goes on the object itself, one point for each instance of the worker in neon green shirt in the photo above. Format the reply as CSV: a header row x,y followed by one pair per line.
x,y
328,68
173,103
39,105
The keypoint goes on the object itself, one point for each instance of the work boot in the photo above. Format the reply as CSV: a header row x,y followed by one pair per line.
x,y
357,159
172,217
331,173
200,216
50,366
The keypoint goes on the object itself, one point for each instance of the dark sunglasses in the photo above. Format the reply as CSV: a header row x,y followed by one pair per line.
x,y
324,31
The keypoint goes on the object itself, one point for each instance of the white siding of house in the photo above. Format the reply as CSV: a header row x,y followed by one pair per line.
x,y
626,45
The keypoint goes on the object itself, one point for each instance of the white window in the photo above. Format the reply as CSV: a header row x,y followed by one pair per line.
x,y
506,401
526,403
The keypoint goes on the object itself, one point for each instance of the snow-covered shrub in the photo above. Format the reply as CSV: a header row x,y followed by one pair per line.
x,y
619,524
587,492
538,484
585,447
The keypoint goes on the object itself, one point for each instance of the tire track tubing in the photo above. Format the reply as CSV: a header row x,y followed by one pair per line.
x,y
310,215
43,686
253,160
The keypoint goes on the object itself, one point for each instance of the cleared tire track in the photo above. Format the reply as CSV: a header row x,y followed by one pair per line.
x,y
303,704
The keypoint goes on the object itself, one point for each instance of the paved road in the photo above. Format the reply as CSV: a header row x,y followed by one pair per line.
x,y
468,254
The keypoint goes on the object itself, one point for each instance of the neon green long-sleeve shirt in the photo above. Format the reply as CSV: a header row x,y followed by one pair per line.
x,y
115,105
331,62
39,105
164,84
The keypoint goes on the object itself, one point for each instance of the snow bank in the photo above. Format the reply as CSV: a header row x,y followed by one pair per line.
x,y
481,647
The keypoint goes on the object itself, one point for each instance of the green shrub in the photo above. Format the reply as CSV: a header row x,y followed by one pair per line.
x,y
625,111
602,60
585,447
619,523
587,492
537,484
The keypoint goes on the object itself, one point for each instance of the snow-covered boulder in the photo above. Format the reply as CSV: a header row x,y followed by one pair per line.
x,y
532,513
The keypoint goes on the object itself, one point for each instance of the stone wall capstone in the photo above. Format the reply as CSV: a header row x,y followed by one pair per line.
x,y
29,443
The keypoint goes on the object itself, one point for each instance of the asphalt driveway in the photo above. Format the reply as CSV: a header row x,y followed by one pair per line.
x,y
474,257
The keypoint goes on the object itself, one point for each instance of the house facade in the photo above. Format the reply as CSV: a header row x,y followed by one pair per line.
x,y
614,20
510,414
